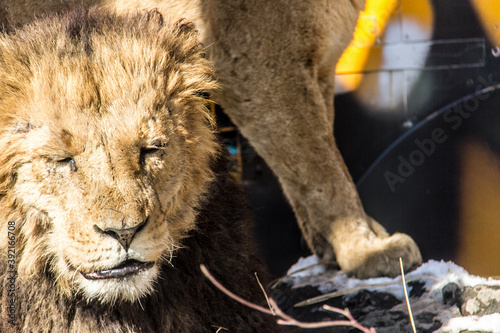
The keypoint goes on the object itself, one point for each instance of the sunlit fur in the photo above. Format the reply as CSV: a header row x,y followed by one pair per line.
x,y
100,93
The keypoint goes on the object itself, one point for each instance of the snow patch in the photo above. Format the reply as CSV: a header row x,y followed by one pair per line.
x,y
486,323
435,274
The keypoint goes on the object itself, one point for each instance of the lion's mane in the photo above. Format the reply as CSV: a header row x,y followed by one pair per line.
x,y
195,200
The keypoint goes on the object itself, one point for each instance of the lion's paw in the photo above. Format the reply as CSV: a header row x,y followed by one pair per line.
x,y
379,256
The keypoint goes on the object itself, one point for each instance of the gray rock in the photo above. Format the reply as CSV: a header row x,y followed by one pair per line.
x,y
453,302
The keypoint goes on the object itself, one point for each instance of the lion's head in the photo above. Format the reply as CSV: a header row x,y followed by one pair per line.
x,y
105,148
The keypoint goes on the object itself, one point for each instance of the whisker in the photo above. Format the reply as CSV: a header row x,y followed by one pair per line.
x,y
57,278
139,300
76,271
55,281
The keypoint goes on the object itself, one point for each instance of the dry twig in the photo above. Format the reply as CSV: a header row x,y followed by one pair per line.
x,y
406,296
265,294
285,319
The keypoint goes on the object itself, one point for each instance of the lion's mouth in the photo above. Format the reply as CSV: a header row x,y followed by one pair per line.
x,y
126,268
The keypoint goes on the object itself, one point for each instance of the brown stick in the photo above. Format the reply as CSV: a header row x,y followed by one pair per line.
x,y
285,319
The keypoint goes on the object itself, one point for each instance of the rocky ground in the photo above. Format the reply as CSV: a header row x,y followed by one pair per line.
x,y
444,298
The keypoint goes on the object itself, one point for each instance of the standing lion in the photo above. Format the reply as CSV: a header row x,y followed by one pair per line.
x,y
275,62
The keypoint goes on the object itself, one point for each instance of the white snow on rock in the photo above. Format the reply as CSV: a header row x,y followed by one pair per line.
x,y
487,323
435,274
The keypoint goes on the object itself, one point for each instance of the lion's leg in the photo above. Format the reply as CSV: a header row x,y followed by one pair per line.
x,y
302,153
279,91
353,230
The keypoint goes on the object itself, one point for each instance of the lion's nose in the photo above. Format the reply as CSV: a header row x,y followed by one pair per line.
x,y
124,236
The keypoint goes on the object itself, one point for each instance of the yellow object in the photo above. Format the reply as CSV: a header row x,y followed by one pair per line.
x,y
369,32
371,24
489,14
478,231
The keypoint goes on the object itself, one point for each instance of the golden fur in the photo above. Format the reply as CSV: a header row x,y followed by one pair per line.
x,y
104,128
275,62
100,139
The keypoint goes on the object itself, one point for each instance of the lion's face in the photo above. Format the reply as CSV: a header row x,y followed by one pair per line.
x,y
109,154
95,180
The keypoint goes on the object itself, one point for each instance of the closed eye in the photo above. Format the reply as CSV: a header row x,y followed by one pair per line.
x,y
68,161
149,152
